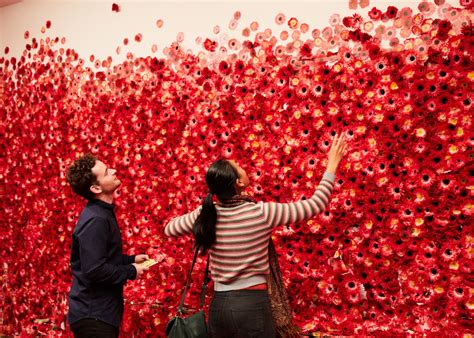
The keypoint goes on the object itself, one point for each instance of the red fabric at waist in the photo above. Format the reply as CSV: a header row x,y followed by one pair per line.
x,y
262,286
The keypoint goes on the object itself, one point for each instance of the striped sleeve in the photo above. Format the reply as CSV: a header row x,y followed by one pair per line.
x,y
183,224
286,213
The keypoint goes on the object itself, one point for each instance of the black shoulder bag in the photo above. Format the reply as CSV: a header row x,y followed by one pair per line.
x,y
195,325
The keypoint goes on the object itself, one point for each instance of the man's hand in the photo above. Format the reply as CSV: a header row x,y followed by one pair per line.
x,y
141,258
140,269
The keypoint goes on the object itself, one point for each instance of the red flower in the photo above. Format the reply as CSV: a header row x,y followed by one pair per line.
x,y
435,56
115,8
239,67
467,3
288,95
427,178
353,21
210,45
302,90
224,68
348,21
375,53
444,26
241,91
391,12
357,19
375,13
458,292
306,51
293,23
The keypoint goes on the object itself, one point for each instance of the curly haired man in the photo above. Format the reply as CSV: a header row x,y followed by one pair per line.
x,y
99,268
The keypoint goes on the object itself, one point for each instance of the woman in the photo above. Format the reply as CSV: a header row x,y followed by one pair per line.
x,y
236,231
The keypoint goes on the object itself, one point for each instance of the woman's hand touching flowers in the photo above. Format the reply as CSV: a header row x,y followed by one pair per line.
x,y
338,148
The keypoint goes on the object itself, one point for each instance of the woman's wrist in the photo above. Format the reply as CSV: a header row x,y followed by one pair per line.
x,y
331,169
329,176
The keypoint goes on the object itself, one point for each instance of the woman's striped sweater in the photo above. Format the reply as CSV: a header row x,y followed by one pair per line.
x,y
243,233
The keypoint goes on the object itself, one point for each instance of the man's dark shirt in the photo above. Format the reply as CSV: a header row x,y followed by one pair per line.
x,y
99,269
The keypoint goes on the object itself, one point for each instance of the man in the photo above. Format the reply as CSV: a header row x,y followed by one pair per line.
x,y
98,266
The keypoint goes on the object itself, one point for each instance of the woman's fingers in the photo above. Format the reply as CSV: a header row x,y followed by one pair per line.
x,y
340,141
344,147
338,144
341,145
334,141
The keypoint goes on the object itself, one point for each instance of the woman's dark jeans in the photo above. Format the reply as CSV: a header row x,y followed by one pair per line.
x,y
241,314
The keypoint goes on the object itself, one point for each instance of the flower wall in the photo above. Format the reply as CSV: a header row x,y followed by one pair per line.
x,y
393,252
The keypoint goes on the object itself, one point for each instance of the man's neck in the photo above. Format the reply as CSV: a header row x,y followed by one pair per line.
x,y
106,198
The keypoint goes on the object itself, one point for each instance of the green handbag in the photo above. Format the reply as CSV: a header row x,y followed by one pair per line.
x,y
193,326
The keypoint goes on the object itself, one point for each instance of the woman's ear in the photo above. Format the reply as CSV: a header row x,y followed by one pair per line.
x,y
239,183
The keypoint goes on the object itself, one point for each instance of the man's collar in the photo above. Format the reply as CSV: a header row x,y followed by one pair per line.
x,y
102,204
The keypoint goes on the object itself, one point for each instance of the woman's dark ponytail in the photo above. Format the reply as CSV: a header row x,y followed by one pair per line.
x,y
220,179
204,227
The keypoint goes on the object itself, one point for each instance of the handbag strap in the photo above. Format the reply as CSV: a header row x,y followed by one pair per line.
x,y
188,281
204,284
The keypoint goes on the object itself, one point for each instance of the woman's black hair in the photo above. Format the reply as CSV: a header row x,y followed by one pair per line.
x,y
220,178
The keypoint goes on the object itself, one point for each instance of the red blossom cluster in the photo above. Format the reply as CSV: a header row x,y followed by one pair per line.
x,y
392,253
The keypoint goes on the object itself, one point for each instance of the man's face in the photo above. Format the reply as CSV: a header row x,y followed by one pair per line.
x,y
106,179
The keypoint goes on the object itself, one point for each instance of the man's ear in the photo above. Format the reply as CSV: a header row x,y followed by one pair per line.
x,y
96,189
